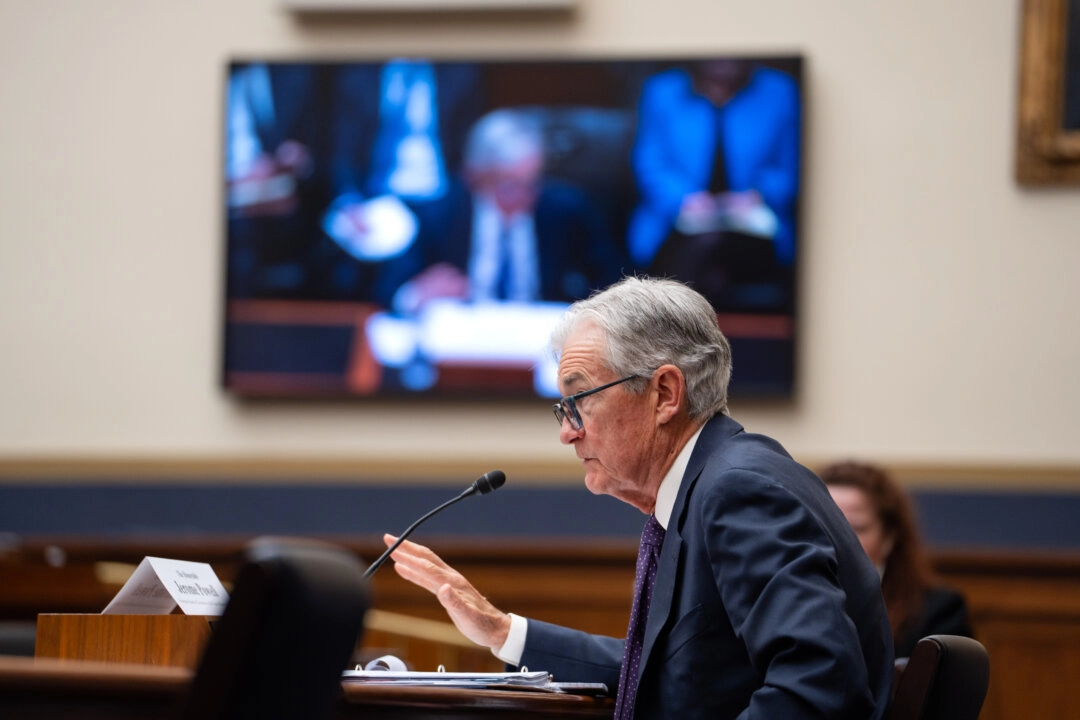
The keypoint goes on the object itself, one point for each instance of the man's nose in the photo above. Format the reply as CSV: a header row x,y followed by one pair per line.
x,y
567,433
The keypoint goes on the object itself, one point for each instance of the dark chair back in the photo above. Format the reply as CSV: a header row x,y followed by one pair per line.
x,y
292,622
946,678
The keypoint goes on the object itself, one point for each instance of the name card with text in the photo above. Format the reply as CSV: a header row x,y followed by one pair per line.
x,y
159,585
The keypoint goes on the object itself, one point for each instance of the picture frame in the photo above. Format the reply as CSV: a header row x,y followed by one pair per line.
x,y
1048,134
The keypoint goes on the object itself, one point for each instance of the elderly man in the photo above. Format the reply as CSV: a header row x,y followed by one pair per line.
x,y
754,598
511,232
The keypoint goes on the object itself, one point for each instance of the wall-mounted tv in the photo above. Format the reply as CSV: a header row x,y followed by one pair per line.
x,y
412,227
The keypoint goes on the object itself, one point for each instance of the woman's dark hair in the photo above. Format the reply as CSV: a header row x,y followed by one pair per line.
x,y
907,574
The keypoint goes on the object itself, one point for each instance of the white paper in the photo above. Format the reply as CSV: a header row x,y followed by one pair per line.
x,y
758,220
537,679
390,227
159,585
494,332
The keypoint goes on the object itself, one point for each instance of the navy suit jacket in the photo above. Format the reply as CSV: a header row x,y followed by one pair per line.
x,y
943,612
355,120
676,143
764,607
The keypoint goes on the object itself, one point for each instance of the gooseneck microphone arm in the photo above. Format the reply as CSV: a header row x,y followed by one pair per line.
x,y
484,484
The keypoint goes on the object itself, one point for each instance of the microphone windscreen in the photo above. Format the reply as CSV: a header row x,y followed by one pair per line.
x,y
492,480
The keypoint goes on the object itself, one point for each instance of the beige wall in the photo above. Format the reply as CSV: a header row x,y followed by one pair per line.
x,y
939,299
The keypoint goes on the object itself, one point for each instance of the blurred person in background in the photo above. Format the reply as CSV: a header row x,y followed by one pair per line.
x,y
395,130
716,164
510,232
882,515
273,176
716,140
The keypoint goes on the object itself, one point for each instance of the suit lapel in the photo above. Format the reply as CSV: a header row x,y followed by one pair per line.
x,y
712,436
664,585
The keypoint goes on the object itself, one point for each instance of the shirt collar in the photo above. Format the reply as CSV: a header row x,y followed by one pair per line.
x,y
669,486
484,205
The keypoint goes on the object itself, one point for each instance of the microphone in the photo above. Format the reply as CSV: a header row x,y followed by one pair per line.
x,y
488,482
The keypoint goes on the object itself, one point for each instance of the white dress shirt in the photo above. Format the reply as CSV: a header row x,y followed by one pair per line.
x,y
502,245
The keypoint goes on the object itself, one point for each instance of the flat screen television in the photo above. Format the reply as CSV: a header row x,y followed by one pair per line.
x,y
413,227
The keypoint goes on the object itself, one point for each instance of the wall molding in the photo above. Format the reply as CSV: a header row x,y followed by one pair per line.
x,y
1033,477
309,6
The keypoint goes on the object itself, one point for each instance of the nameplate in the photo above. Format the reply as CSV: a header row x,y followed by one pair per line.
x,y
158,586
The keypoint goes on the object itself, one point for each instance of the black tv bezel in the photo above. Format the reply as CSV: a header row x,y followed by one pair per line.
x,y
794,63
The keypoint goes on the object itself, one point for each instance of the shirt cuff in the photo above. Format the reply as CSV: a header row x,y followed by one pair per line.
x,y
514,647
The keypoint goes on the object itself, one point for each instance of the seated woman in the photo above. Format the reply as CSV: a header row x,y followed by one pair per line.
x,y
882,516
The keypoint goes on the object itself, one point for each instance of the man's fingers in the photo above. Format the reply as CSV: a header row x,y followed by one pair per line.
x,y
470,611
419,573
409,550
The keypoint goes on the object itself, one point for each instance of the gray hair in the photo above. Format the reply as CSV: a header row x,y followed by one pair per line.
x,y
501,138
649,322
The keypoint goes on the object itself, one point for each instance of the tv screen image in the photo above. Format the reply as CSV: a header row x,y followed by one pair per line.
x,y
412,227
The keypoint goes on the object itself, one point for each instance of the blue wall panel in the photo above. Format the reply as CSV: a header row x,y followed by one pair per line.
x,y
1012,520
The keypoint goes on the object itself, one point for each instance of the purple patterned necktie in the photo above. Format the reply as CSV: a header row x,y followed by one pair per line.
x,y
652,537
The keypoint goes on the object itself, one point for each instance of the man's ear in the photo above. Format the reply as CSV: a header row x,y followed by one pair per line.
x,y
670,388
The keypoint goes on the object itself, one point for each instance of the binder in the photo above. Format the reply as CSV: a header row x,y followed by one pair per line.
x,y
523,680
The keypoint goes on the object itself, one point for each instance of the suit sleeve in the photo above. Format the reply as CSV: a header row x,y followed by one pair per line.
x,y
777,179
775,567
572,655
661,116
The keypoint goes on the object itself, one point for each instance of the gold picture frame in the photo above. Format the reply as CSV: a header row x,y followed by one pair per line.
x,y
1047,153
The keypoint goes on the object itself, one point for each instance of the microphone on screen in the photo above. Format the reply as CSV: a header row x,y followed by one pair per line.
x,y
488,482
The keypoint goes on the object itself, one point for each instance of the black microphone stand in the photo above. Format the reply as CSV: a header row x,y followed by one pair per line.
x,y
485,484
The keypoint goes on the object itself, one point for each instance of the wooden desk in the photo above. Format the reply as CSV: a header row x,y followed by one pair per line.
x,y
47,689
1025,606
375,702
173,640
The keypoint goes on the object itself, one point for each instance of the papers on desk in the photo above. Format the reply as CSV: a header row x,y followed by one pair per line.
x,y
516,680
485,334
537,681
371,230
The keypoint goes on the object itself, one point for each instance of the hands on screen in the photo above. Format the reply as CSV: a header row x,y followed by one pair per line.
x,y
269,187
474,616
704,206
745,211
441,280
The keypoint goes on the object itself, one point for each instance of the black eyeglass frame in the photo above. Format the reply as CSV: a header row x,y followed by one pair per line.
x,y
567,406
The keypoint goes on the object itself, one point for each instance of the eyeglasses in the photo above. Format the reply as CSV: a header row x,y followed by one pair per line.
x,y
566,408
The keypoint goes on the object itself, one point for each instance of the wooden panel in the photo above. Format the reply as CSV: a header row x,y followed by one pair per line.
x,y
1025,607
165,640
1033,666
1026,610
46,689
30,586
